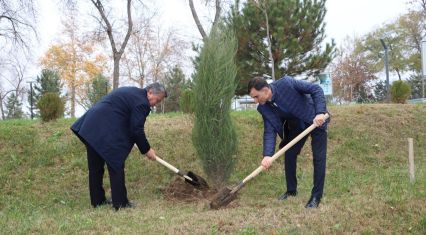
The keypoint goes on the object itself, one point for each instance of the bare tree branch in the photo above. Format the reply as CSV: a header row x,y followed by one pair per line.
x,y
16,21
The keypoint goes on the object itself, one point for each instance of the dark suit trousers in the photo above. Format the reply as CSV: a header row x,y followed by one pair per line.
x,y
319,150
96,173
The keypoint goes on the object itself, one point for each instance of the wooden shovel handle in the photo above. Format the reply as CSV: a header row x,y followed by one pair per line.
x,y
282,151
172,168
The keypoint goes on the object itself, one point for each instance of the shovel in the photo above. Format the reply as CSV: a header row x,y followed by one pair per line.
x,y
226,195
191,178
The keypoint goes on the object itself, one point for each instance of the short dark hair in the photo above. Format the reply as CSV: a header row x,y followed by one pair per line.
x,y
257,83
156,88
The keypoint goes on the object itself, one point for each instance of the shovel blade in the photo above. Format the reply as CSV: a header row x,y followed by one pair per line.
x,y
222,198
197,181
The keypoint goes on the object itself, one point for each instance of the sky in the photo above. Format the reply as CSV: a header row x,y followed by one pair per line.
x,y
344,17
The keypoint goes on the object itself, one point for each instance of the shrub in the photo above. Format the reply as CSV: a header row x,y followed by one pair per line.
x,y
400,91
51,107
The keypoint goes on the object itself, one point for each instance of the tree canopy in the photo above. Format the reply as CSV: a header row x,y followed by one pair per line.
x,y
284,36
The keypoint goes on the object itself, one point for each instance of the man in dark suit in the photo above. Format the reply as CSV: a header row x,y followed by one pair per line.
x,y
288,106
109,130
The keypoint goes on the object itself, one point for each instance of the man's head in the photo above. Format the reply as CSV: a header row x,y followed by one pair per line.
x,y
155,93
259,90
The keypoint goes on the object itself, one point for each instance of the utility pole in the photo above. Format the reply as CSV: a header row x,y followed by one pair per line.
x,y
387,70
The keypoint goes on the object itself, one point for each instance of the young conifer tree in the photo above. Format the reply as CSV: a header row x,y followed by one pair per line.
x,y
214,135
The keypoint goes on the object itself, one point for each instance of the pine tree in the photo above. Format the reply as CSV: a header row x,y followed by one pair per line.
x,y
415,82
296,35
14,107
175,83
214,136
380,92
48,81
97,89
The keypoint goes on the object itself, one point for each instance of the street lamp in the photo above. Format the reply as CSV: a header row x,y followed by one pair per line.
x,y
387,69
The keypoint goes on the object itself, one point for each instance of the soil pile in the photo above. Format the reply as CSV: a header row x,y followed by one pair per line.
x,y
179,190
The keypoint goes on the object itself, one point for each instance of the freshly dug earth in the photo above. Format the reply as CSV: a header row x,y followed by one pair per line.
x,y
179,190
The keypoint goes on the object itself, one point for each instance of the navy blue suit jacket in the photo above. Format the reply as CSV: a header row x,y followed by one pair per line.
x,y
302,99
115,124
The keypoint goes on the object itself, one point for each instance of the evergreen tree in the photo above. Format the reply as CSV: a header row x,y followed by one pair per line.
x,y
14,107
296,35
415,82
48,81
213,135
97,89
175,83
380,91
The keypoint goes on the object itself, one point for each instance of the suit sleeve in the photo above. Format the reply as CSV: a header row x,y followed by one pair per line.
x,y
269,138
137,125
315,91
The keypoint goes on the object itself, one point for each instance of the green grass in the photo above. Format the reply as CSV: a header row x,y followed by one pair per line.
x,y
44,188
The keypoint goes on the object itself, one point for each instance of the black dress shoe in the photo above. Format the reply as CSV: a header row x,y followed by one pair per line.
x,y
127,205
313,203
287,194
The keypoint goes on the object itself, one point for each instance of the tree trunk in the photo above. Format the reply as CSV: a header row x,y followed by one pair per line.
x,y
115,53
73,101
116,72
197,20
271,58
1,109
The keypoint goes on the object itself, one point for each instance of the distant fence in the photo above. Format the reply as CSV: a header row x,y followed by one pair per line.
x,y
243,103
419,100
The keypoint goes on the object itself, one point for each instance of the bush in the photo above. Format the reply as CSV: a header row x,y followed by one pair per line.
x,y
400,91
51,107
186,101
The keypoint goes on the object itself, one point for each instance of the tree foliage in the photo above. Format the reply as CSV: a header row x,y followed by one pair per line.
x,y
380,91
51,107
351,75
175,83
76,59
403,39
47,82
296,35
186,101
96,89
400,91
14,107
416,85
214,136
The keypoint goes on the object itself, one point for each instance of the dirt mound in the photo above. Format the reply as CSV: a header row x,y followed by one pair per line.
x,y
179,190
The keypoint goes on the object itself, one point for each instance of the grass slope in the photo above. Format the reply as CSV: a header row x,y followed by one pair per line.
x,y
43,180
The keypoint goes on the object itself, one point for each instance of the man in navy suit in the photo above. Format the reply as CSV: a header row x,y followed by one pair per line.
x,y
109,130
289,106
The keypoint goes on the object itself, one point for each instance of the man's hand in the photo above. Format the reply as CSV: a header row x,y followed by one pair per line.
x,y
151,154
266,162
319,119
